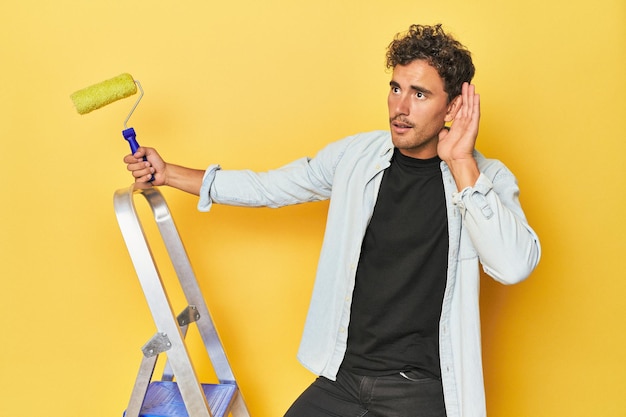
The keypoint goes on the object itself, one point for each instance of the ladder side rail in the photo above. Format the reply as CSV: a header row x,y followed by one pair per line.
x,y
189,284
239,408
168,372
160,307
141,386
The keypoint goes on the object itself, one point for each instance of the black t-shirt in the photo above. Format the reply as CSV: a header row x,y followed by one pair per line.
x,y
401,276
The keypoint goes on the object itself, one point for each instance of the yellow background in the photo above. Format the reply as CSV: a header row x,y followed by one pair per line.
x,y
255,84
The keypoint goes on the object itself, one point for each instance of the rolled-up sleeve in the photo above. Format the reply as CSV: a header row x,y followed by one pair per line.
x,y
507,247
205,202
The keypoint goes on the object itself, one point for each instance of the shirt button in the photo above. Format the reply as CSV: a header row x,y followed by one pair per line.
x,y
342,330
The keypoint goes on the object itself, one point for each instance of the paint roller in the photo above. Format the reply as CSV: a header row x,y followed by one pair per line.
x,y
107,92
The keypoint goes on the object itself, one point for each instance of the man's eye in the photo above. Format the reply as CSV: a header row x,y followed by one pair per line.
x,y
395,89
419,94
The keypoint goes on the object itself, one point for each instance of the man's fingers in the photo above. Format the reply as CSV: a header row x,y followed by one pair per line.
x,y
470,105
140,168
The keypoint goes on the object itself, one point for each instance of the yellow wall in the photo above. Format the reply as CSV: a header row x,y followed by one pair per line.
x,y
259,83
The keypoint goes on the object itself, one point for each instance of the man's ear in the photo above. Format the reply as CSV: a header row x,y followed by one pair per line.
x,y
453,108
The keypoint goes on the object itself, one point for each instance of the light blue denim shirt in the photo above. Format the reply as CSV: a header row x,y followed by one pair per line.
x,y
486,225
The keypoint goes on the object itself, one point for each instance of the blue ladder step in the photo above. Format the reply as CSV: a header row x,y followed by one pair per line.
x,y
163,399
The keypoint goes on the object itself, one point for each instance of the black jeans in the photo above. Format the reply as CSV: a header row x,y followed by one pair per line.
x,y
410,394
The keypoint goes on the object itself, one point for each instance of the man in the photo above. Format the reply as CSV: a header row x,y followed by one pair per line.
x,y
393,327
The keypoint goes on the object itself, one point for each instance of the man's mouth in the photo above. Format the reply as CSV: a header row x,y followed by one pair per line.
x,y
401,124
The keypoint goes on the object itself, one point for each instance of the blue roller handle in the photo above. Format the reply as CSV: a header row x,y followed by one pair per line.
x,y
130,136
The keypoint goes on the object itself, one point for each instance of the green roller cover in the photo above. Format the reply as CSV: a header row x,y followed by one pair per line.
x,y
106,92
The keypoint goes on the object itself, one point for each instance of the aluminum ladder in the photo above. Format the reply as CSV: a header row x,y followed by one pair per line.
x,y
178,393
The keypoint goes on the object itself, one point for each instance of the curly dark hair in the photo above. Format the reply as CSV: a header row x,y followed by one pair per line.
x,y
449,57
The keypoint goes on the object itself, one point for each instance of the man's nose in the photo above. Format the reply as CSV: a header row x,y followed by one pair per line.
x,y
402,105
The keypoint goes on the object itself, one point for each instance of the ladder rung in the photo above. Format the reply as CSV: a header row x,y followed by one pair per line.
x,y
164,400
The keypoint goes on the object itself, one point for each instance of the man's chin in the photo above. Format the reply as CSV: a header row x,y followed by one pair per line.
x,y
402,139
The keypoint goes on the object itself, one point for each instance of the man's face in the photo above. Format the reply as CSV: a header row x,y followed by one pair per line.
x,y
418,109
